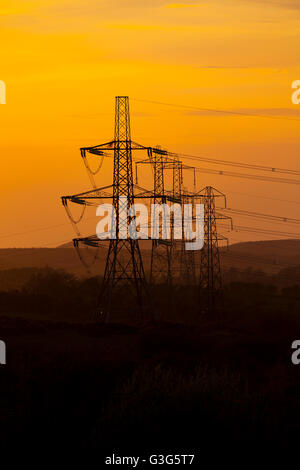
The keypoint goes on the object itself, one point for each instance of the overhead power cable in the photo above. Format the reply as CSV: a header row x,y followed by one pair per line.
x,y
249,166
259,215
269,179
220,111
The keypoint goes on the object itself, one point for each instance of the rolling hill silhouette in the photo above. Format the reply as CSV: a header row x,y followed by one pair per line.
x,y
270,256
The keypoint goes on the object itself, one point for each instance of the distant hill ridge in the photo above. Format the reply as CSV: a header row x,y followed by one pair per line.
x,y
270,256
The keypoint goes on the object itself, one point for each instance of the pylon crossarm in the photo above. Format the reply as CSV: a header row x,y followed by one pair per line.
x,y
136,146
81,198
91,240
85,200
99,148
142,192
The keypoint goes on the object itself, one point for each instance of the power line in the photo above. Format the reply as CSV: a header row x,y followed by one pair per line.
x,y
33,230
259,215
263,197
237,164
255,215
269,179
220,111
48,245
50,227
277,233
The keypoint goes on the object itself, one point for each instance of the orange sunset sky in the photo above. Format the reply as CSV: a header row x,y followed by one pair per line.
x,y
63,62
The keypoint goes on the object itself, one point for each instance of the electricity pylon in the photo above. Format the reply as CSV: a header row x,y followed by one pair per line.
x,y
183,261
210,285
187,257
177,250
124,261
160,270
124,265
167,255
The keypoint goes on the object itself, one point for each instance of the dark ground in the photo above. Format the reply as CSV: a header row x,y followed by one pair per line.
x,y
187,382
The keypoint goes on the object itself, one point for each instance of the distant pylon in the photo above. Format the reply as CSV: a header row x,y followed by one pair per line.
x,y
187,257
168,255
211,289
161,249
183,261
124,262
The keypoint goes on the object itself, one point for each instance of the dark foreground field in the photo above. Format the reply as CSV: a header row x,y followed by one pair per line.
x,y
193,383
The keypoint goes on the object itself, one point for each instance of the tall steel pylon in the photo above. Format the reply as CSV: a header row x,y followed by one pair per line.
x,y
160,270
210,285
124,261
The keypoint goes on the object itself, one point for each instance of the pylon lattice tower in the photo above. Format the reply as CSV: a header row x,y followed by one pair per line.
x,y
187,257
210,285
177,251
169,259
160,270
124,260
183,261
124,265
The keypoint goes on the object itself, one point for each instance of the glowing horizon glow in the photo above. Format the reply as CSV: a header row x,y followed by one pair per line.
x,y
64,61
